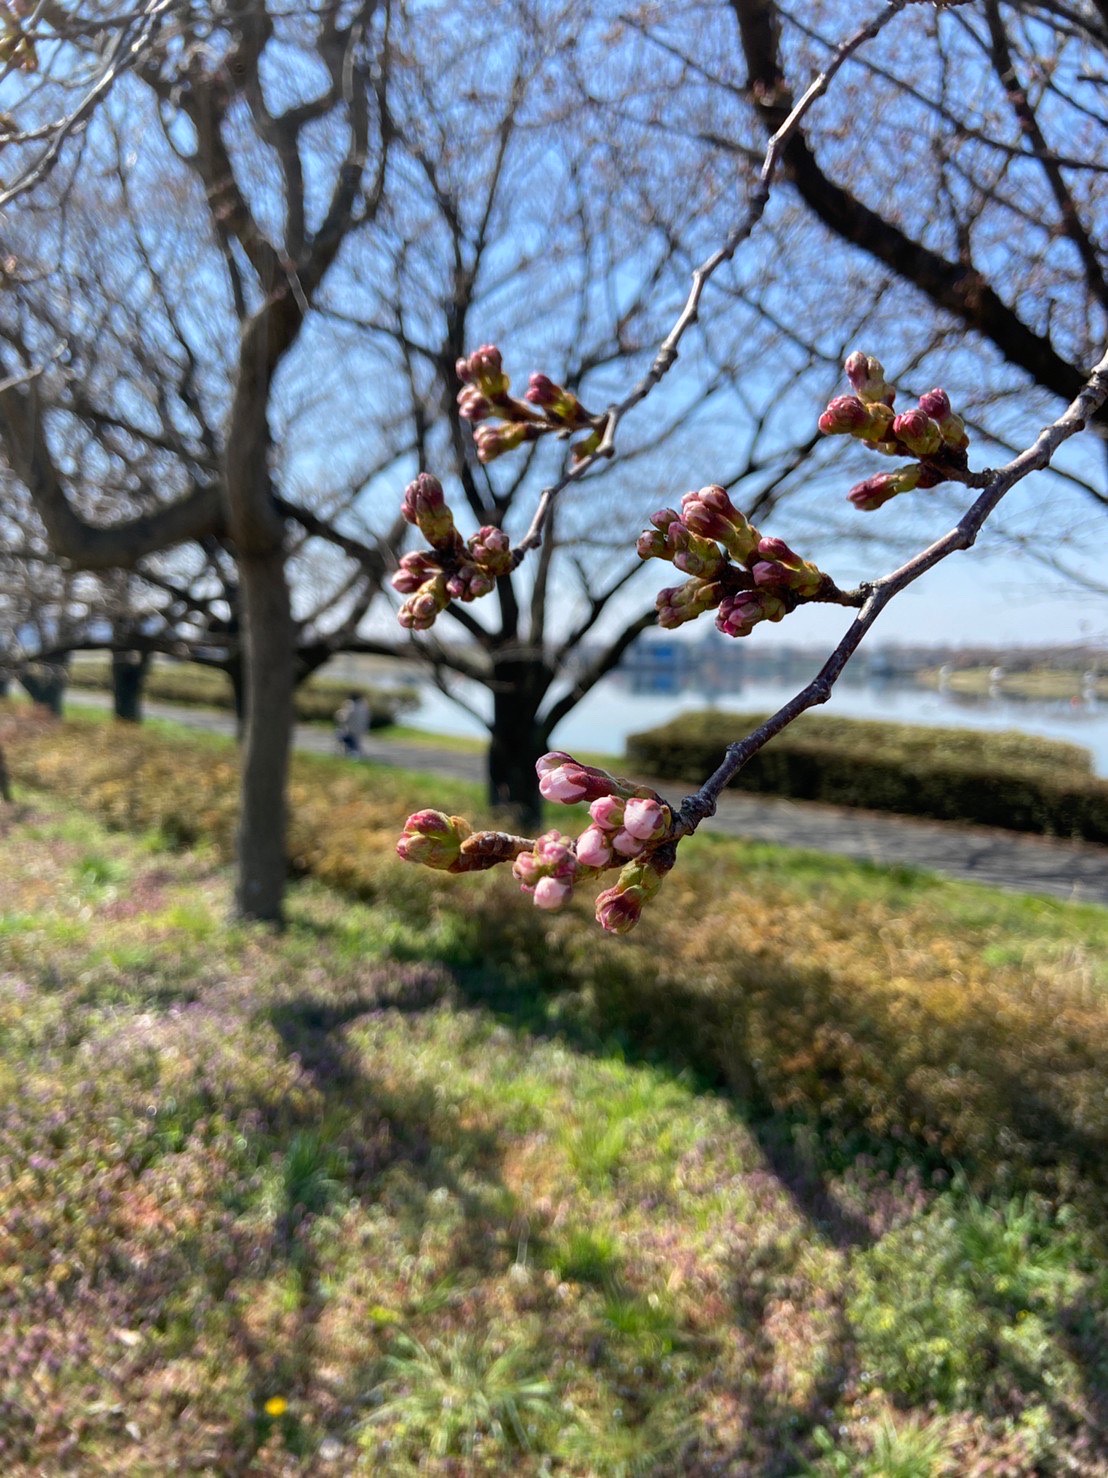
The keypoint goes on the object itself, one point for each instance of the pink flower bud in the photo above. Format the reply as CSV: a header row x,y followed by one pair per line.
x,y
664,517
711,514
415,570
936,404
652,545
568,781
739,614
432,838
419,611
867,375
472,405
626,845
494,441
877,490
484,369
619,909
681,603
918,432
693,555
469,582
425,505
645,818
558,403
607,812
492,549
846,415
551,894
593,849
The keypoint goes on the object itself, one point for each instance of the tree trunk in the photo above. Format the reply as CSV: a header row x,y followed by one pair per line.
x,y
234,671
520,683
45,685
129,671
269,636
5,782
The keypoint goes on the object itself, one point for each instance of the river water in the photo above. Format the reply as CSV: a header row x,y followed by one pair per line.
x,y
603,720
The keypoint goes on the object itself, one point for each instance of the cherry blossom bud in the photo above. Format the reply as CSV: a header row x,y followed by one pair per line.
x,y
425,505
953,430
415,570
918,432
681,603
867,375
562,778
711,514
472,405
781,568
619,908
936,404
846,415
664,517
419,611
593,849
432,838
739,614
652,545
549,870
693,555
494,441
877,490
551,893
646,819
559,404
491,548
469,582
607,812
484,369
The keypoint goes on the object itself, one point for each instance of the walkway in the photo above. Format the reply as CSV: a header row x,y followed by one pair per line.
x,y
979,854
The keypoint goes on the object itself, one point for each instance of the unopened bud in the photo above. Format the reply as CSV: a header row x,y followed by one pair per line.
x,y
877,490
491,548
739,614
711,514
559,404
646,819
472,405
936,404
494,441
681,603
425,505
415,570
419,611
562,778
618,909
867,375
594,847
781,568
692,554
432,838
918,432
484,369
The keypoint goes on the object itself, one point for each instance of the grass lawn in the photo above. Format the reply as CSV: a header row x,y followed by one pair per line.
x,y
807,1178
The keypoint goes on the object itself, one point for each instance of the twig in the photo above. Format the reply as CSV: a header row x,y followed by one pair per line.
x,y
695,808
666,356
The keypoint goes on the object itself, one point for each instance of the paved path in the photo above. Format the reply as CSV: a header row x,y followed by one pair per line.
x,y
1004,859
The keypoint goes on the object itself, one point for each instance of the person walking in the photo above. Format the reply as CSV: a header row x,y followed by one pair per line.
x,y
352,725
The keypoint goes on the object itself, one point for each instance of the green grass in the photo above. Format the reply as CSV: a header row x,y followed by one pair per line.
x,y
432,1183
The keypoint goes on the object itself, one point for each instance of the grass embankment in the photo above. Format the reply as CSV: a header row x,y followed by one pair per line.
x,y
1018,781
189,684
434,1167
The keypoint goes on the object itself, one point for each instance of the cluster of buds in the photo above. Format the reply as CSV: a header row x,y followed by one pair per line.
x,y
16,47
453,568
546,407
630,827
745,578
931,432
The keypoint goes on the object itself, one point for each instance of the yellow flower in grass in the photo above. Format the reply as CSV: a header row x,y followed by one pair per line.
x,y
276,1406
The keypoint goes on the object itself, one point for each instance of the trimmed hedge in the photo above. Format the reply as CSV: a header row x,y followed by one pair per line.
x,y
208,687
1011,780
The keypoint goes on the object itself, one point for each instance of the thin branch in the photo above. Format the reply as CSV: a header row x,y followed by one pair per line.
x,y
1036,457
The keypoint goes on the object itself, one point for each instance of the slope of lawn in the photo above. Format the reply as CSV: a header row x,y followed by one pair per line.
x,y
434,1183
